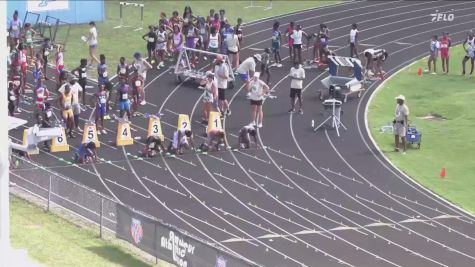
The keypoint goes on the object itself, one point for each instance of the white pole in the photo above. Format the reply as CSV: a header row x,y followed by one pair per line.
x,y
4,144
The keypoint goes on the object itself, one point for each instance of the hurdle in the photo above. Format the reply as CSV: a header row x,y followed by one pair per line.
x,y
254,6
122,8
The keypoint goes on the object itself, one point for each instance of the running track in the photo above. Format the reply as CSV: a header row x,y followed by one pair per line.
x,y
306,198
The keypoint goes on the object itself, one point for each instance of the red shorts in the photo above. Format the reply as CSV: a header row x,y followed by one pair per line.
x,y
59,68
24,67
444,54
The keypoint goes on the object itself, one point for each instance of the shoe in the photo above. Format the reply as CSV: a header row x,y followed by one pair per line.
x,y
228,112
143,102
396,150
279,65
272,91
433,73
404,152
18,110
205,122
71,135
158,67
253,123
107,117
426,71
104,131
98,132
205,58
300,112
80,130
259,125
291,110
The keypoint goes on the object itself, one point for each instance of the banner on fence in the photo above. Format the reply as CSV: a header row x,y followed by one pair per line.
x,y
47,5
170,245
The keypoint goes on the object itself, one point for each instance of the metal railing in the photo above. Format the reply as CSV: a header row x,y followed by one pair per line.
x,y
56,189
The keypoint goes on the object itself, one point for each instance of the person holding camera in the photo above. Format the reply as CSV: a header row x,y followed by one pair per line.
x,y
400,123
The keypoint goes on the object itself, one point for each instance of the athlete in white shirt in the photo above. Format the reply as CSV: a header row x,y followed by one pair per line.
x,y
353,40
257,91
92,42
297,75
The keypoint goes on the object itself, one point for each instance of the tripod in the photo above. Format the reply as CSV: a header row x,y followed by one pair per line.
x,y
334,117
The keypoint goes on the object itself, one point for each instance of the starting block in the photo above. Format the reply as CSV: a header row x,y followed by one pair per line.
x,y
184,122
155,128
124,135
60,143
214,121
90,134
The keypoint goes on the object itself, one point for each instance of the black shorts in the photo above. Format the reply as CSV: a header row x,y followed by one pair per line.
x,y
297,46
221,94
150,46
295,92
83,82
231,53
256,102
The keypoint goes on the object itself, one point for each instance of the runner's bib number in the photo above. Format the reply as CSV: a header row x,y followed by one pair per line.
x,y
138,83
102,100
46,53
151,40
123,70
125,96
104,74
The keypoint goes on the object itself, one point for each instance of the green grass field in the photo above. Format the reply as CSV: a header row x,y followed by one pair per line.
x,y
53,241
115,43
448,143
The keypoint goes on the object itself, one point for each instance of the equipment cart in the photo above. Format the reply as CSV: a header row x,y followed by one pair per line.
x,y
413,136
338,85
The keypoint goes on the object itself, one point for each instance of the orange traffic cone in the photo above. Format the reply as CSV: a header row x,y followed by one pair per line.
x,y
419,72
442,173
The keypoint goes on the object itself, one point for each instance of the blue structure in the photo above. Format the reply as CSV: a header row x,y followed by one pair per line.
x,y
69,11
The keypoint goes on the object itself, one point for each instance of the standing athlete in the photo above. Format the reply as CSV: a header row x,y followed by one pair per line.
x,y
469,47
66,106
297,75
353,40
276,41
445,44
433,54
221,71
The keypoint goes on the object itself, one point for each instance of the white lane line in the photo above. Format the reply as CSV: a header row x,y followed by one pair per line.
x,y
352,211
402,43
164,186
172,112
282,153
341,175
259,226
390,209
415,202
220,159
270,179
215,227
306,177
253,157
183,160
286,219
236,181
139,158
201,184
126,188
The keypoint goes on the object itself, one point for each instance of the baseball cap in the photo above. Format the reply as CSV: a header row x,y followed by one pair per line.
x,y
401,97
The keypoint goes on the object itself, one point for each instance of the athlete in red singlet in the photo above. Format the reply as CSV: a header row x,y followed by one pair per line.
x,y
445,44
